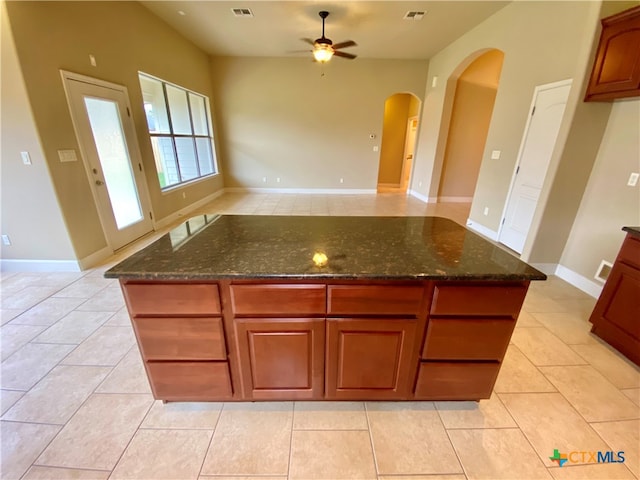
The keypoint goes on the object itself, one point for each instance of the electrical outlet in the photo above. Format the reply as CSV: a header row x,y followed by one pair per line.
x,y
486,211
495,154
633,179
419,184
6,240
342,180
278,180
264,179
375,148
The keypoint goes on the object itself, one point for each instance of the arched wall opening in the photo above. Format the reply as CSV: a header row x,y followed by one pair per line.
x,y
468,106
397,146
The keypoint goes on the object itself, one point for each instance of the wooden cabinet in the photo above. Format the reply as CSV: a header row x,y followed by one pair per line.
x,y
370,358
468,331
181,337
327,339
616,69
280,345
281,358
616,316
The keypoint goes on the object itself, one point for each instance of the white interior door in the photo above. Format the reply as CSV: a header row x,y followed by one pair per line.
x,y
537,145
106,134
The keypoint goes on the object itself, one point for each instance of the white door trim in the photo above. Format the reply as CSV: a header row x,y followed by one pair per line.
x,y
523,141
132,141
403,173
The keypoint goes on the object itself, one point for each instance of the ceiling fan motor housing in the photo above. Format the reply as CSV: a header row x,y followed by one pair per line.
x,y
323,41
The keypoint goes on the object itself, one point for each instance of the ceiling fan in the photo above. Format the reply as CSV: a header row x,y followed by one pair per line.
x,y
323,47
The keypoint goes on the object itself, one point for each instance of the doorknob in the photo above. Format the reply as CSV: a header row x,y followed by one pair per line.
x,y
99,182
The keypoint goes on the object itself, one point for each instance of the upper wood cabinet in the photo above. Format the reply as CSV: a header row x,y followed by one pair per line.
x,y
616,70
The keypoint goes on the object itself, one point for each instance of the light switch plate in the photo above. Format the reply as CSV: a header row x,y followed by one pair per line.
x,y
67,155
633,179
26,158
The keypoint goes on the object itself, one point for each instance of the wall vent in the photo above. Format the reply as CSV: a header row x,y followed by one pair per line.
x,y
242,12
603,271
414,15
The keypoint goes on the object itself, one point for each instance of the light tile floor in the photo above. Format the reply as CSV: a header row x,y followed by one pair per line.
x,y
76,403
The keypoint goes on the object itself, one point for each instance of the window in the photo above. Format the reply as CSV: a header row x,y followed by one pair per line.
x,y
179,122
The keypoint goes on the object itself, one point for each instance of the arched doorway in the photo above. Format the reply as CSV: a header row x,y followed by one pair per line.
x,y
397,147
474,91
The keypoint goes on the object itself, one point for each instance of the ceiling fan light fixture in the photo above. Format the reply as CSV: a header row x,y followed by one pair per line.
x,y
322,53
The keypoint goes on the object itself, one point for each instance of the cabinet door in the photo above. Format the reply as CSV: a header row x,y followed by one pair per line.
x,y
370,358
281,358
616,70
616,317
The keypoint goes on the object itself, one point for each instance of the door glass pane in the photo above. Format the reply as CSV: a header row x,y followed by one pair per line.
x,y
198,114
114,160
205,159
187,158
179,111
155,108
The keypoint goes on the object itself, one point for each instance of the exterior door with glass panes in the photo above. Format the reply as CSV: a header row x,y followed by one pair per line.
x,y
106,135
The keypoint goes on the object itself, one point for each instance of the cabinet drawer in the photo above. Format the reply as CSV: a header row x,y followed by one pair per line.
x,y
278,299
478,300
180,338
374,300
467,339
456,381
190,381
172,299
630,251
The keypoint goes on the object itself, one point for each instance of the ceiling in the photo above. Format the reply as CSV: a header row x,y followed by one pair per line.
x,y
276,27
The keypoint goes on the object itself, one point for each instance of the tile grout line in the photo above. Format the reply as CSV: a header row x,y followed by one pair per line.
x,y
373,450
293,418
132,436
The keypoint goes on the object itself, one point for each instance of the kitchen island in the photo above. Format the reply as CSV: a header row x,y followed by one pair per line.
x,y
234,307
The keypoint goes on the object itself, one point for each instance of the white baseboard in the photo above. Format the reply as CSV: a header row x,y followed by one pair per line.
x,y
420,196
583,283
18,265
546,268
482,230
180,214
321,191
455,199
95,258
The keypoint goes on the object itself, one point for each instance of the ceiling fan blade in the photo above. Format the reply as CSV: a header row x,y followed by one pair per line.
x,y
349,56
307,40
348,43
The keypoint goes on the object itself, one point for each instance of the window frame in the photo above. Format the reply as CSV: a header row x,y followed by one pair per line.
x,y
172,136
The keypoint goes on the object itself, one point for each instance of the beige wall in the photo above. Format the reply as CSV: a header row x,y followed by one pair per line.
x,y
280,118
30,212
475,95
542,42
578,143
397,110
124,37
608,203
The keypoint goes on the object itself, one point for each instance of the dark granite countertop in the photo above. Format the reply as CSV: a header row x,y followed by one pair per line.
x,y
635,231
283,247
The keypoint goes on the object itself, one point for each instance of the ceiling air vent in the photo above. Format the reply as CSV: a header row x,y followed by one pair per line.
x,y
413,15
242,12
